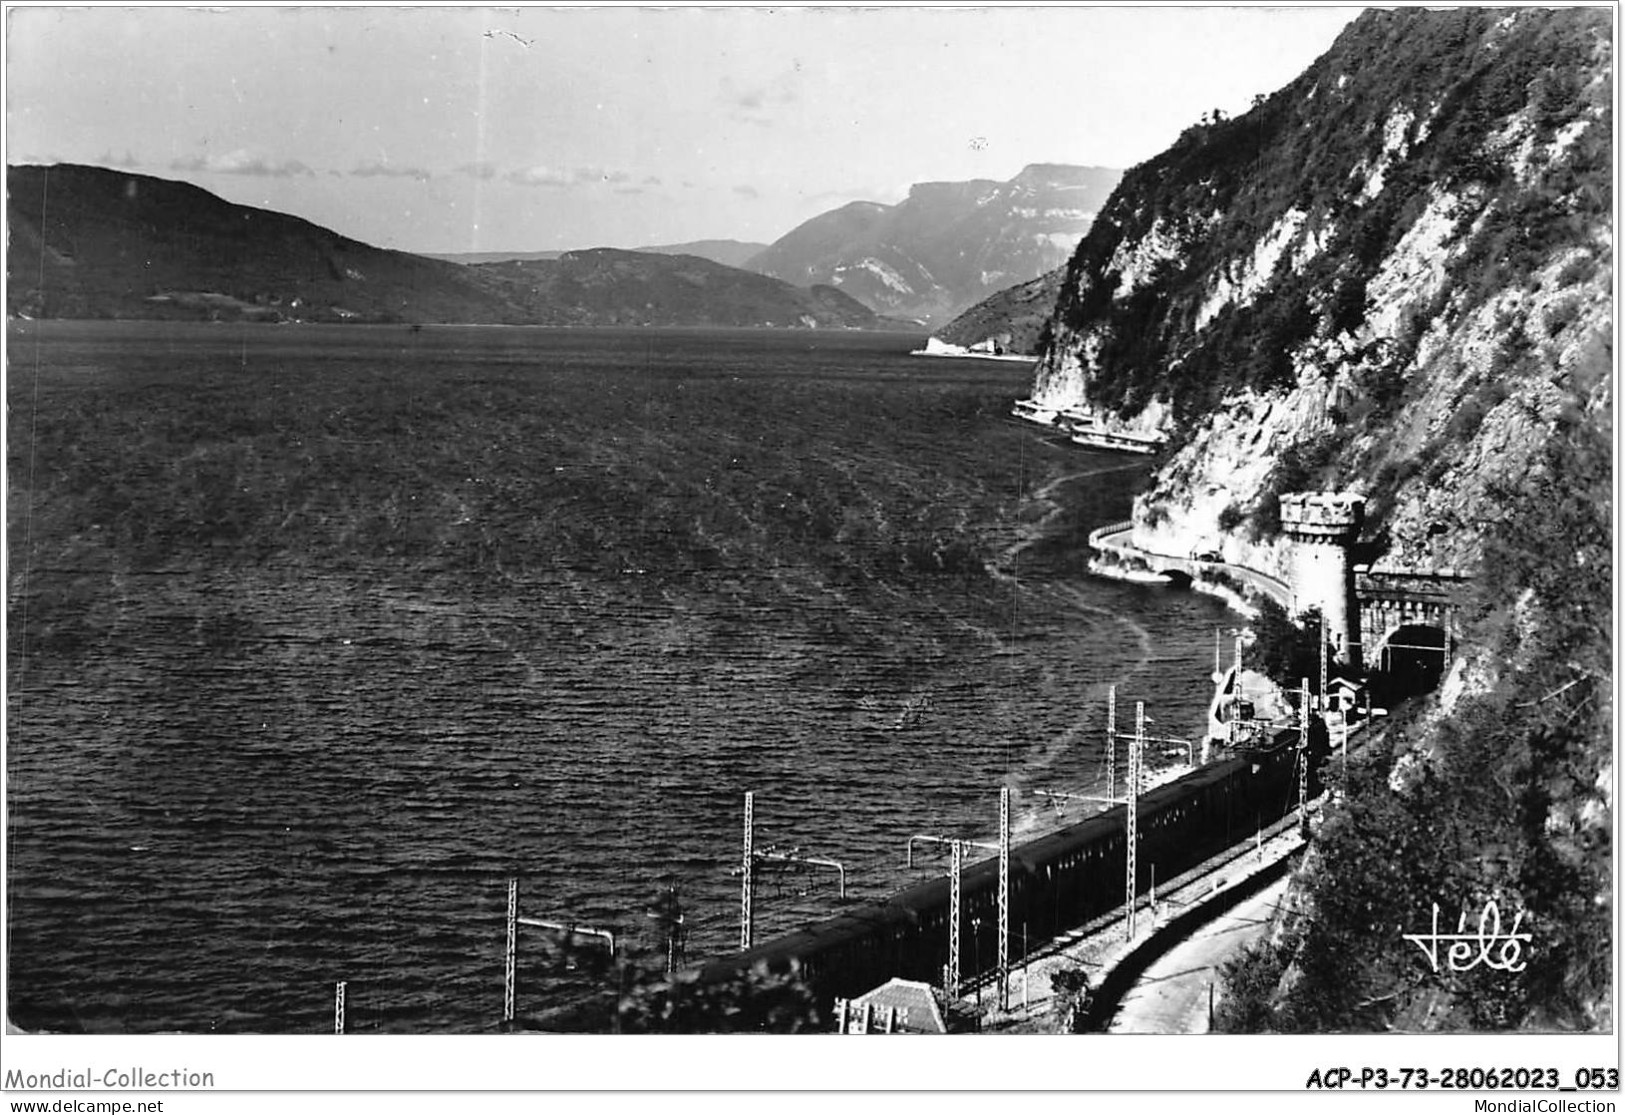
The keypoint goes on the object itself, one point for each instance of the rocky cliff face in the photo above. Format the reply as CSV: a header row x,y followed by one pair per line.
x,y
948,245
1394,277
1389,277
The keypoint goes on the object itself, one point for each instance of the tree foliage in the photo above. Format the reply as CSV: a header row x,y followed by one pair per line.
x,y
1284,650
1072,994
757,1002
633,993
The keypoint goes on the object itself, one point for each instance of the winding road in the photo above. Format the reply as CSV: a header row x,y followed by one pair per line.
x,y
1115,539
1172,996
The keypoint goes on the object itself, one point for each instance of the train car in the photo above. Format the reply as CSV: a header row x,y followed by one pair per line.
x,y
1057,881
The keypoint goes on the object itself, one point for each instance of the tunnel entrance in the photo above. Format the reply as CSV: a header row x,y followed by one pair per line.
x,y
1411,662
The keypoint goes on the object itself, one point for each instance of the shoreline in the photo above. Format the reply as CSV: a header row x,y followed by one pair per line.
x,y
1118,570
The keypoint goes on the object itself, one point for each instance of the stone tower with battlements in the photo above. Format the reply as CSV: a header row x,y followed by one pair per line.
x,y
1323,527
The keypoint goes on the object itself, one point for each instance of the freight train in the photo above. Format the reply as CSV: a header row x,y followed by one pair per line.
x,y
1057,882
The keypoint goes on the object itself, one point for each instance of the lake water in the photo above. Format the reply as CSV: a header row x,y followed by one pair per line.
x,y
319,634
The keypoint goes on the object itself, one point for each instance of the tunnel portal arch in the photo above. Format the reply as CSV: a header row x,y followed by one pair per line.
x,y
1411,659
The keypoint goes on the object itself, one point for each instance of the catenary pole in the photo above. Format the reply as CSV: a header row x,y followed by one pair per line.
x,y
957,854
1132,868
1111,742
1004,898
513,944
748,871
1303,757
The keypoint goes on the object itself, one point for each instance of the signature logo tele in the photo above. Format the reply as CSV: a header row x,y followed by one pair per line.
x,y
1502,952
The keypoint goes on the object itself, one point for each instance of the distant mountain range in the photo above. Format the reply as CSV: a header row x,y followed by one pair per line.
x,y
107,243
87,242
609,286
948,245
729,253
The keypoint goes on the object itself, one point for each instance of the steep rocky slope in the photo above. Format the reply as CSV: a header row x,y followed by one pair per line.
x,y
1394,277
1388,277
948,244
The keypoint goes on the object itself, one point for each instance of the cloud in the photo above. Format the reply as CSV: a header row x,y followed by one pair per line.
x,y
558,177
762,95
479,170
651,180
384,170
755,103
126,162
242,162
551,177
748,191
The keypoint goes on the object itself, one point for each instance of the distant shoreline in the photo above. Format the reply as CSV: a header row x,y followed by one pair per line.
x,y
1116,570
23,319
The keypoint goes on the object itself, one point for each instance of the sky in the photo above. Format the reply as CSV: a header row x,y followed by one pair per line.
x,y
457,129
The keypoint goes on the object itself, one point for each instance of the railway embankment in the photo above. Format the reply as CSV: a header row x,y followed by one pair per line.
x,y
1112,959
1176,909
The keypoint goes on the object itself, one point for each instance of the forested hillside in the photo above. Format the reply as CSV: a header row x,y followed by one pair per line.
x,y
1020,312
88,242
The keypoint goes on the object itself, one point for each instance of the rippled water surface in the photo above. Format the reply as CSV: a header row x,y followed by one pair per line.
x,y
319,634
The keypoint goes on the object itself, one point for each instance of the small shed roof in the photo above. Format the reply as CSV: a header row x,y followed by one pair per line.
x,y
915,1002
